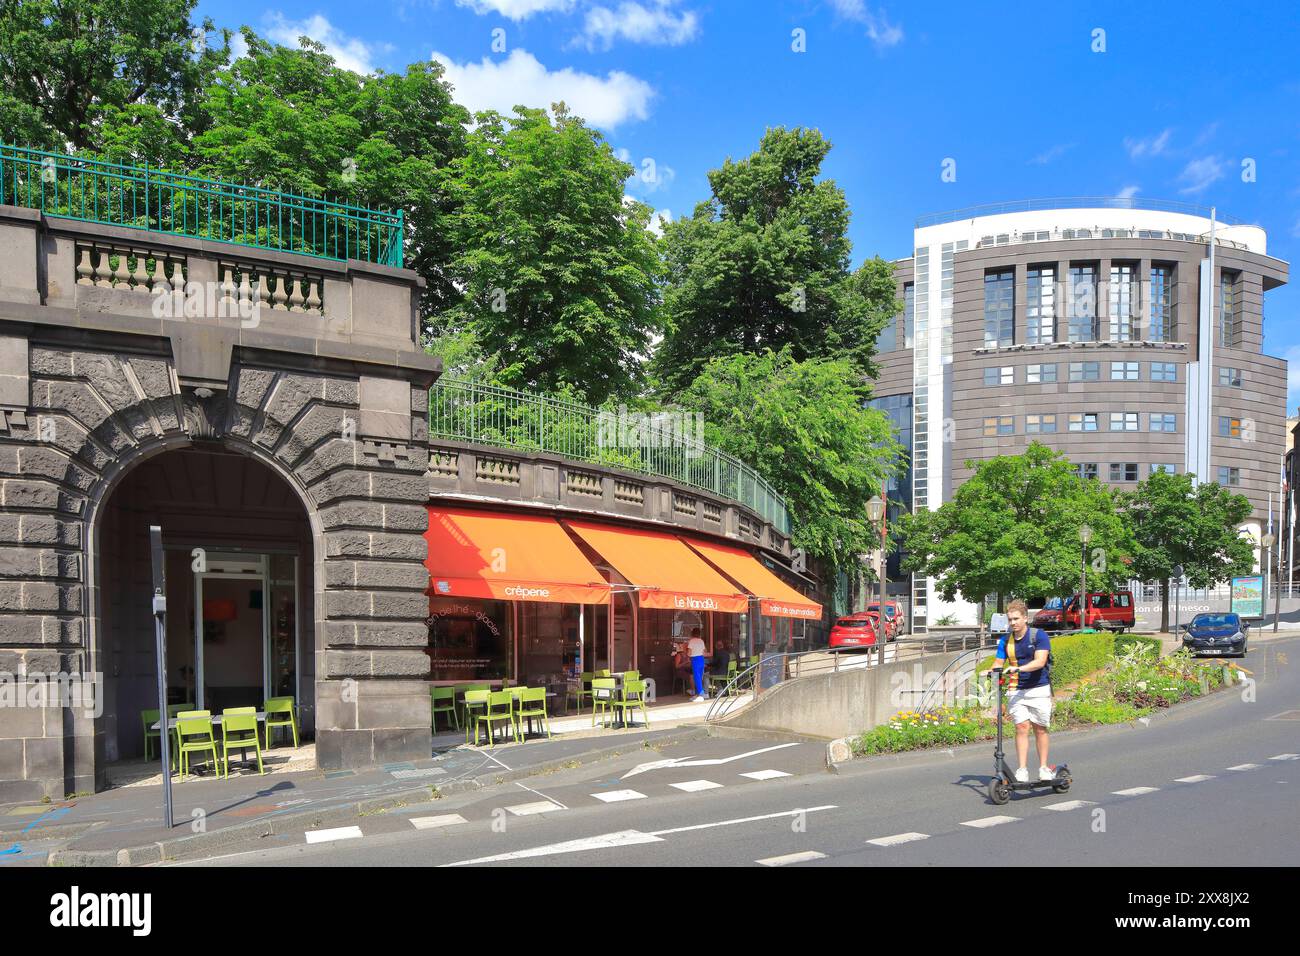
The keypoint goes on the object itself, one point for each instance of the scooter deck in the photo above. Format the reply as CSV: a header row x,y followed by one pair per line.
x,y
1062,776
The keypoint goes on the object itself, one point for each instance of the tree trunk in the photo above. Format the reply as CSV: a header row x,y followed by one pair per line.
x,y
1001,602
1164,607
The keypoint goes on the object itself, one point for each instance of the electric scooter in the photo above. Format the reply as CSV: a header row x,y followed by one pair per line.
x,y
1004,778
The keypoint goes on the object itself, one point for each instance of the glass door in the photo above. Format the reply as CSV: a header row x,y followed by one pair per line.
x,y
282,627
230,617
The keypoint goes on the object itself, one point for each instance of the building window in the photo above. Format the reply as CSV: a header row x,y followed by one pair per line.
x,y
1088,470
887,340
1124,371
1040,373
1229,427
1229,476
1081,302
1126,471
1230,377
1083,422
999,309
1040,424
1166,468
1000,375
909,314
1229,310
1164,422
1040,305
1002,425
1085,371
1162,328
1164,371
1123,421
1124,298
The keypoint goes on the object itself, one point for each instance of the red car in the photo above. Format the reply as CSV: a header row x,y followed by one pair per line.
x,y
855,631
893,618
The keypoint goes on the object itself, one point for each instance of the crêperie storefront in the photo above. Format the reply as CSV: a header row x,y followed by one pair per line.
x,y
538,599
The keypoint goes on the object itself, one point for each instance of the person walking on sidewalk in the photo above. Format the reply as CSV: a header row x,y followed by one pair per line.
x,y
695,648
1028,650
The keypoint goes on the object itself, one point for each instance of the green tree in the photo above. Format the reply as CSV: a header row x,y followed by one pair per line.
x,y
1012,529
1178,522
560,274
804,427
764,264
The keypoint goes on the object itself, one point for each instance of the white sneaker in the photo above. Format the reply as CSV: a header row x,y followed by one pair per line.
x,y
1022,775
697,700
1046,773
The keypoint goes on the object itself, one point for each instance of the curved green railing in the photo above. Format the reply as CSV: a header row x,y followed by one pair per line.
x,y
663,444
140,197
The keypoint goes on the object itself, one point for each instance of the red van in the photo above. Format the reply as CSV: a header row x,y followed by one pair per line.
x,y
1113,612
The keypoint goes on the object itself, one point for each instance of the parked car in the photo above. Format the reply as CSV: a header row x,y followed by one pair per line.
x,y
854,631
1114,612
893,618
1049,618
1221,635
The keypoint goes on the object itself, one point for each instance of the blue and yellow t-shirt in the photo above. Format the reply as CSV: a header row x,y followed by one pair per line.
x,y
1021,654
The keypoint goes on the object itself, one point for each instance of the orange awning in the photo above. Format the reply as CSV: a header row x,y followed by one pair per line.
x,y
508,557
776,598
665,571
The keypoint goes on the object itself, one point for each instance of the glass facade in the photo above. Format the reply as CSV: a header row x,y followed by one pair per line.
x,y
1124,298
1081,302
1040,305
909,314
1040,373
470,639
1162,327
1000,308
1125,371
1229,311
1085,371
1164,371
1164,422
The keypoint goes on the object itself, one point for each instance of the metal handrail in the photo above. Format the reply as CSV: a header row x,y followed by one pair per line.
x,y
141,197
1073,202
492,415
924,706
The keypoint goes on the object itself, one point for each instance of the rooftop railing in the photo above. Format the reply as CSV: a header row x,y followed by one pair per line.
x,y
1073,202
141,197
665,445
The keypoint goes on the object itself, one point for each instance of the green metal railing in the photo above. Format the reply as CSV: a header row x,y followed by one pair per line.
x,y
659,445
139,197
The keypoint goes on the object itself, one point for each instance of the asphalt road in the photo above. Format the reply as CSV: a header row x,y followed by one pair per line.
x,y
1213,782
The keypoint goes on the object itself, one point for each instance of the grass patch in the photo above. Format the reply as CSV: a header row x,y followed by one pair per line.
x,y
909,730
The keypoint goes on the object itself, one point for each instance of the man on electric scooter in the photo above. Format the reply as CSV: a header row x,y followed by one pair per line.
x,y
1027,650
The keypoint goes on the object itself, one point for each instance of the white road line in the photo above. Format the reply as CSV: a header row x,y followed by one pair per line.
x,y
1195,778
789,858
1134,791
1068,805
898,838
694,786
1246,766
1286,757
528,809
617,796
765,774
433,823
727,823
692,762
602,842
337,833
542,795
989,821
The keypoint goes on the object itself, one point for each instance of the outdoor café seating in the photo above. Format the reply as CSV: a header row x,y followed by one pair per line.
x,y
281,712
194,730
500,707
604,691
631,697
442,700
239,733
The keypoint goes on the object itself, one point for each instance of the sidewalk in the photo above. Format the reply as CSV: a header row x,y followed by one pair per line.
x,y
124,826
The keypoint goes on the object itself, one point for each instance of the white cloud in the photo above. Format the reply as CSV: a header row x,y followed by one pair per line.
x,y
520,79
1199,174
879,29
1151,146
238,47
517,9
1128,192
653,23
1055,152
348,52
662,217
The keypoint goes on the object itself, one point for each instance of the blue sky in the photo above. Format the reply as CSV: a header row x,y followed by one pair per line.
x,y
1017,95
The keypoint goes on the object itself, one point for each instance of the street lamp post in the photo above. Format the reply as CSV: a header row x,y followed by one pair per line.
x,y
1178,590
876,513
1266,547
1085,536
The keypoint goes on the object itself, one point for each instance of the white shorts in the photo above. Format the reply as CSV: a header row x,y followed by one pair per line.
x,y
1034,705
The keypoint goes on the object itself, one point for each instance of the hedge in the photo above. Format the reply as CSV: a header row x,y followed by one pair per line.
x,y
1124,641
1075,655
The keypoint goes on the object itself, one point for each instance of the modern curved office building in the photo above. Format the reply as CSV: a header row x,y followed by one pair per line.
x,y
1128,334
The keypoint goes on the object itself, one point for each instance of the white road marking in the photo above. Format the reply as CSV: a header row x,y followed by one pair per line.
x,y
727,823
542,795
692,762
528,809
1134,791
789,858
605,841
1286,757
337,833
433,823
765,774
1068,805
898,838
1245,766
694,786
1195,778
617,796
989,821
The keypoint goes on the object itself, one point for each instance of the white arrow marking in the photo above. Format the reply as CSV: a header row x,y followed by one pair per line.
x,y
692,762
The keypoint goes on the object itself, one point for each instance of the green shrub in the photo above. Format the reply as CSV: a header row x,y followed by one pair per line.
x,y
1124,641
910,730
1074,656
1099,710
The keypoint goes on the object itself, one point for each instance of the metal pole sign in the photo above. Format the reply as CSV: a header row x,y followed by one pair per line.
x,y
160,642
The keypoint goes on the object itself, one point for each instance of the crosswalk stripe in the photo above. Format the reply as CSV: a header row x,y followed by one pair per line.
x,y
1068,805
335,833
765,774
537,806
433,823
616,796
1195,778
1134,791
1245,766
898,838
789,858
989,821
693,786
1286,757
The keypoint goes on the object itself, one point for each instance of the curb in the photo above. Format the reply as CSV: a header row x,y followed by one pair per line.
x,y
202,844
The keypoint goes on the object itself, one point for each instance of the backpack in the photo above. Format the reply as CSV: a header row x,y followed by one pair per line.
x,y
1033,648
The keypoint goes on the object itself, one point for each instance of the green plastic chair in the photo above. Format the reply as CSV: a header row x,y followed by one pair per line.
x,y
532,703
632,698
239,732
720,681
147,719
474,704
281,712
581,689
443,701
603,692
500,706
465,714
631,675
172,711
194,729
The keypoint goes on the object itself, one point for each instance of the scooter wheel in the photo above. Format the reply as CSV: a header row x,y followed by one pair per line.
x,y
1061,787
999,792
